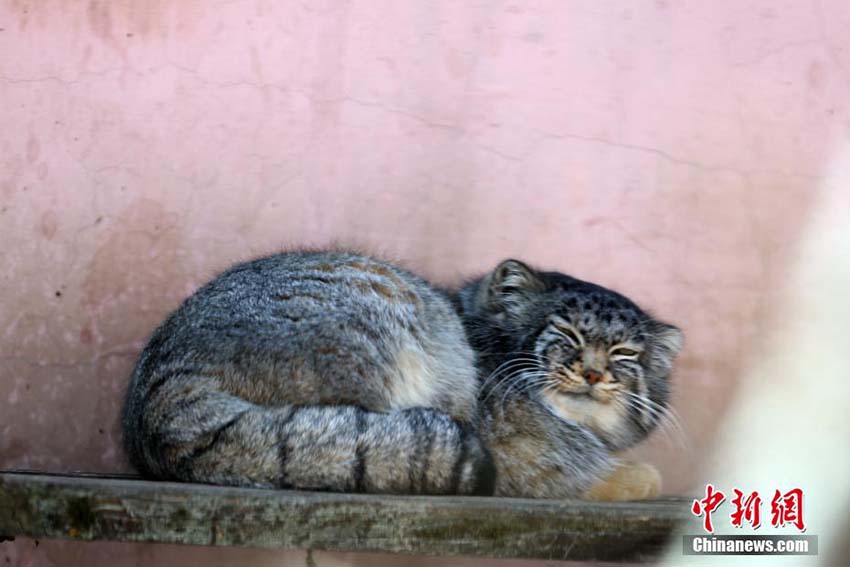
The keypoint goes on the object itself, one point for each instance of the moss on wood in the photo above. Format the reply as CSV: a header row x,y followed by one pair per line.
x,y
92,508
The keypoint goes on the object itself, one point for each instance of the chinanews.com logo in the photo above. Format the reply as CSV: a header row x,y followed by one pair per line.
x,y
786,509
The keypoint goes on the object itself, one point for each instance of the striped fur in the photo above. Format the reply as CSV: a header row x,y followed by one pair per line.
x,y
337,371
312,370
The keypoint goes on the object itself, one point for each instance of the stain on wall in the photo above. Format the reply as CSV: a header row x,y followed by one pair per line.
x,y
667,150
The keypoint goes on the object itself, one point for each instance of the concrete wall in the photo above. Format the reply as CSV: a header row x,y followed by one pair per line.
x,y
666,149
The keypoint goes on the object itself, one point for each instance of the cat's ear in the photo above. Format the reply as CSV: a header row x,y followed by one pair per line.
x,y
510,284
669,337
666,342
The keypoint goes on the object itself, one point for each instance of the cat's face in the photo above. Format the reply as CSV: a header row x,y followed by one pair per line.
x,y
598,359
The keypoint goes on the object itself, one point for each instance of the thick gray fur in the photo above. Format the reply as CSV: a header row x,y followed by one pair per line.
x,y
337,371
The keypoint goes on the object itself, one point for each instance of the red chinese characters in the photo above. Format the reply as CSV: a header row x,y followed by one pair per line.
x,y
787,509
746,509
707,506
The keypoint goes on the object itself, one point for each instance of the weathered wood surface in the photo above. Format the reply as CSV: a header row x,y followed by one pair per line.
x,y
88,507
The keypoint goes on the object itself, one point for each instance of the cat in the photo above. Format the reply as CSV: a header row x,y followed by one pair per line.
x,y
333,370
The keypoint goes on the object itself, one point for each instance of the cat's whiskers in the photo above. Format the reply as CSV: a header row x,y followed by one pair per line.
x,y
506,380
517,376
656,412
511,392
493,380
529,380
508,373
668,413
663,426
532,360
551,387
669,422
534,380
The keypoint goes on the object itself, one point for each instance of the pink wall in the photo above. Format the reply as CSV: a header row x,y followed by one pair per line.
x,y
666,149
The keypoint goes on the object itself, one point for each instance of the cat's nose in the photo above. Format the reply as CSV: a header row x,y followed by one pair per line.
x,y
592,376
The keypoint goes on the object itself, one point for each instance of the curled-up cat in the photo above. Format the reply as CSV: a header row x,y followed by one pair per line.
x,y
337,371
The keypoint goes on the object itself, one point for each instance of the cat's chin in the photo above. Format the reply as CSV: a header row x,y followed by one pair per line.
x,y
601,416
584,396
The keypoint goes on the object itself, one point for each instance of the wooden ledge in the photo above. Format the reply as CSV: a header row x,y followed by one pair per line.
x,y
123,508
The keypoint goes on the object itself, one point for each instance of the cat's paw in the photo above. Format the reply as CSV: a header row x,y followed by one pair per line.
x,y
628,481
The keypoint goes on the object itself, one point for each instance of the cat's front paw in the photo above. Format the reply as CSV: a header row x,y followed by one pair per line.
x,y
628,481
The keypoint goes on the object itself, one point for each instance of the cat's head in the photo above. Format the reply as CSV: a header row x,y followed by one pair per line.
x,y
591,354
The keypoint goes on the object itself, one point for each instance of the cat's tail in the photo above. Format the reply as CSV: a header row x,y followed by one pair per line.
x,y
193,431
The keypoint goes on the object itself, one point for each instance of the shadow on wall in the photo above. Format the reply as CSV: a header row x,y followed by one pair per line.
x,y
790,412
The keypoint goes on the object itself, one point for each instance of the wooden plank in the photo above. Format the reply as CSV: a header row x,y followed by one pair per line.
x,y
87,507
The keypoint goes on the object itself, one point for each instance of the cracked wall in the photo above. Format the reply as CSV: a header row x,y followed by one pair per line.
x,y
667,150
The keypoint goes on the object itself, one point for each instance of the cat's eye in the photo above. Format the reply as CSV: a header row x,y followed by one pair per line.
x,y
571,336
567,331
624,352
